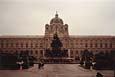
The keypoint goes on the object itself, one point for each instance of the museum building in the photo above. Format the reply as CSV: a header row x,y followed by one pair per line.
x,y
56,30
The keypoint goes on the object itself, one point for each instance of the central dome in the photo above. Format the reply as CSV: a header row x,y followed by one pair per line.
x,y
56,19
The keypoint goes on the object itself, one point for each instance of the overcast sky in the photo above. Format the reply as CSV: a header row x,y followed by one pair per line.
x,y
84,17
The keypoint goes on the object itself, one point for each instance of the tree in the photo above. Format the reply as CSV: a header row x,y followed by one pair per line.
x,y
112,54
103,61
86,58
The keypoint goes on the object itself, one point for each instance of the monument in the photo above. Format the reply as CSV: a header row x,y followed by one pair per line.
x,y
56,54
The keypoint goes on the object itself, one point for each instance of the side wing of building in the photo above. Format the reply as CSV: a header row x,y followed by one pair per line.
x,y
95,44
19,44
36,45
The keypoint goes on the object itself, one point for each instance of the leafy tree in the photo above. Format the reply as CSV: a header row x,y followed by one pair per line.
x,y
103,60
112,56
86,58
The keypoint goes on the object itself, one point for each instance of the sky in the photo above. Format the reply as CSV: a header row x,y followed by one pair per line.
x,y
84,17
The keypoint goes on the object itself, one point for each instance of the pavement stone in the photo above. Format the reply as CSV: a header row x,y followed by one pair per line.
x,y
56,70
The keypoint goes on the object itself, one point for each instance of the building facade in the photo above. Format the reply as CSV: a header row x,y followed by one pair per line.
x,y
36,45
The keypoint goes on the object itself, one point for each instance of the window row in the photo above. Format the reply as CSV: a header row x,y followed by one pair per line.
x,y
29,52
27,45
93,45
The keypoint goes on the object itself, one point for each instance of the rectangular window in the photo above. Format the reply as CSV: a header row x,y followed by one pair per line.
x,y
2,45
17,44
6,44
86,45
36,45
41,52
110,45
106,45
41,45
11,44
26,45
71,52
36,52
100,45
76,52
31,52
31,45
96,45
91,45
22,45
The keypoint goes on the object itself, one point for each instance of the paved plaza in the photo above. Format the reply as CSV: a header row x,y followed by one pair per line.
x,y
55,70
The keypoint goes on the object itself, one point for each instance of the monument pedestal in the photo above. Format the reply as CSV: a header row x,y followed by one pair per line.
x,y
58,60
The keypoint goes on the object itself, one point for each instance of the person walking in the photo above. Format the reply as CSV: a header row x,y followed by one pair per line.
x,y
42,65
39,65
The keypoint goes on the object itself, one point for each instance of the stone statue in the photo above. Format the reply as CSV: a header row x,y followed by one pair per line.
x,y
56,43
56,46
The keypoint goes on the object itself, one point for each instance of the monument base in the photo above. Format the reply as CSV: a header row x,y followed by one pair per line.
x,y
58,60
